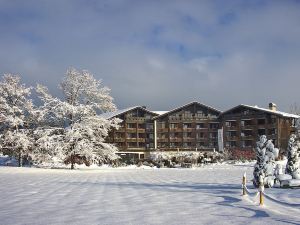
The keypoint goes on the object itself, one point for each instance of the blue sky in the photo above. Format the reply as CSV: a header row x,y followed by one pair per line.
x,y
159,53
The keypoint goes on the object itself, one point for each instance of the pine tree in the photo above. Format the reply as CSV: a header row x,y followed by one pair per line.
x,y
266,154
292,166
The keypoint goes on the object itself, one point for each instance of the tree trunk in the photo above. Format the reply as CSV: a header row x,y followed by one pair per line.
x,y
72,161
20,159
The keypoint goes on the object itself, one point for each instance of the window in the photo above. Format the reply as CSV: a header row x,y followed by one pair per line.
x,y
230,123
173,125
213,144
261,121
120,135
131,135
247,143
187,125
173,144
186,144
231,133
231,144
187,135
141,126
261,131
141,135
161,125
213,135
246,123
200,135
149,126
213,125
141,144
246,133
132,145
200,144
200,126
246,112
131,125
272,131
150,136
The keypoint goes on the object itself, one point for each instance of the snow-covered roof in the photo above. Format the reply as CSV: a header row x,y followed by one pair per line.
x,y
160,112
110,115
279,113
194,102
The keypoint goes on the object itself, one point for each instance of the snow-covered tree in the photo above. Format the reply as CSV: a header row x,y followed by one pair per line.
x,y
293,166
17,115
16,107
20,143
266,154
84,131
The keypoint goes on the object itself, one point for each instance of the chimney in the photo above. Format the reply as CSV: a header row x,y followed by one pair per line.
x,y
272,106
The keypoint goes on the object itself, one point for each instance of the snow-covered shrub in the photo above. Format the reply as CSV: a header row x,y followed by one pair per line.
x,y
292,167
172,158
265,164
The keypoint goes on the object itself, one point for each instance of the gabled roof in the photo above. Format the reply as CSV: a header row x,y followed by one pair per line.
x,y
181,107
279,113
110,115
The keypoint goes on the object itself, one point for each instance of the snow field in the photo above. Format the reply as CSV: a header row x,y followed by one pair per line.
x,y
208,195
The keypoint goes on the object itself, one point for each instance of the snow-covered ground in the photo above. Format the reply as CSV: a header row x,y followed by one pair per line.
x,y
207,195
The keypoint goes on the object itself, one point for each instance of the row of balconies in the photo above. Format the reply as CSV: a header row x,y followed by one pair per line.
x,y
133,140
161,130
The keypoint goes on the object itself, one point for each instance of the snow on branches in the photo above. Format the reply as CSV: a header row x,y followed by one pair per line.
x,y
83,130
17,115
265,164
67,130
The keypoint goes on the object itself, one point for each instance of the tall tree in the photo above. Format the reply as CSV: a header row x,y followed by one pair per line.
x,y
84,131
17,116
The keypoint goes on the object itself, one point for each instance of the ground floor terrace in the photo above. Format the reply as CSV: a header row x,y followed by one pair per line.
x,y
206,195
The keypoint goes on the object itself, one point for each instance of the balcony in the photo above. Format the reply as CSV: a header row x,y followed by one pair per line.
x,y
175,139
131,139
162,130
131,130
135,119
188,139
119,140
162,140
233,138
121,129
176,129
188,129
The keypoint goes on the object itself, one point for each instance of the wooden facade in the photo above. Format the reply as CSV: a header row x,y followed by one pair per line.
x,y
242,125
194,127
135,136
191,127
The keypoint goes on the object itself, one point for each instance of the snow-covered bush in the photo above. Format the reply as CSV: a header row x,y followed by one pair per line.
x,y
172,158
265,164
292,167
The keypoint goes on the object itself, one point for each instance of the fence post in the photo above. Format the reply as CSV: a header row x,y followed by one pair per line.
x,y
261,190
244,184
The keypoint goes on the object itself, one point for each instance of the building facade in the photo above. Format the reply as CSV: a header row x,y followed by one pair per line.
x,y
196,127
135,137
243,124
191,127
